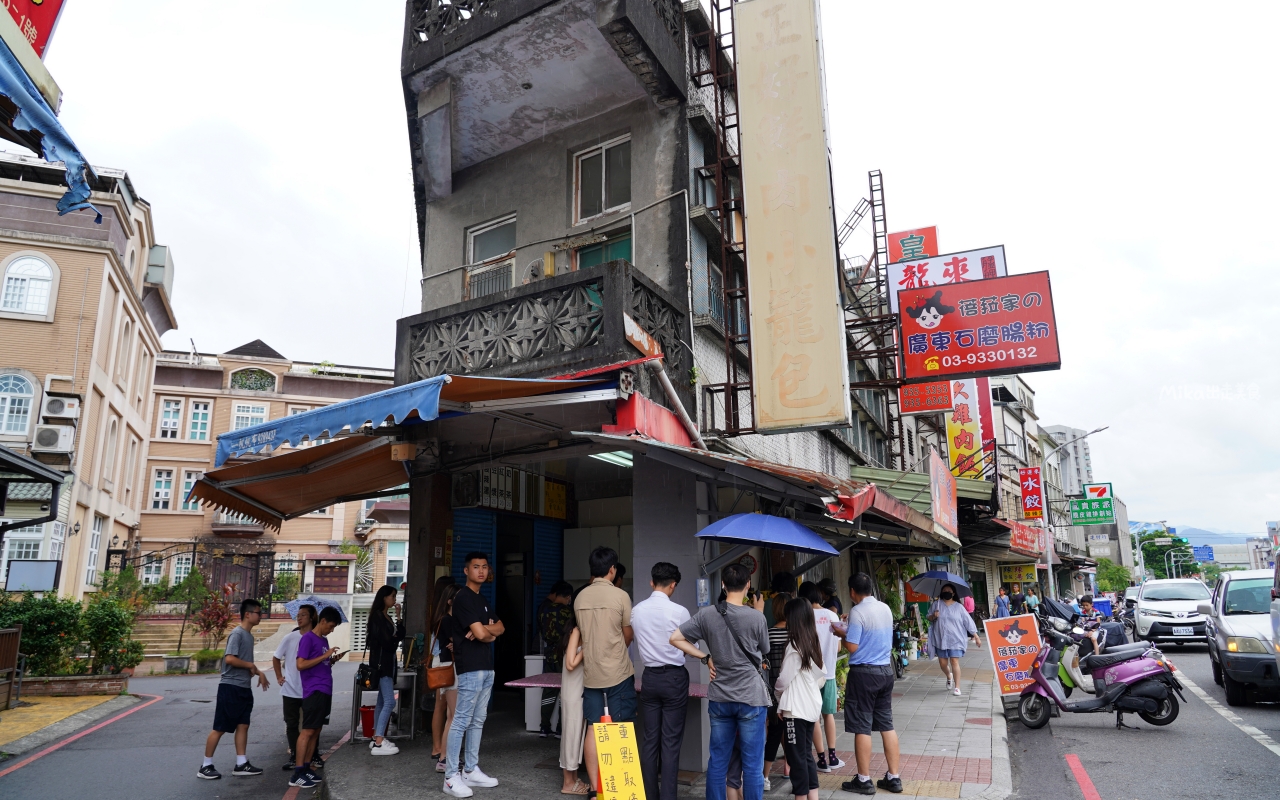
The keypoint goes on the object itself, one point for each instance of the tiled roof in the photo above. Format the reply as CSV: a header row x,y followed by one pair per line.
x,y
256,349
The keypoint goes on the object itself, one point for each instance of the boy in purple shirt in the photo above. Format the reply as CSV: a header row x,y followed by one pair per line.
x,y
315,667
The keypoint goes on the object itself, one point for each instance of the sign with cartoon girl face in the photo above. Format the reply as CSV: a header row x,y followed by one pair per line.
x,y
999,326
1014,643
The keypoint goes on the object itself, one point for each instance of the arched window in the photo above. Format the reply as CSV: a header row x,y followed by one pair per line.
x,y
27,285
258,380
16,396
109,458
123,352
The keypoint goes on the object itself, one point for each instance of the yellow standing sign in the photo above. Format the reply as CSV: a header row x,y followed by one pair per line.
x,y
618,751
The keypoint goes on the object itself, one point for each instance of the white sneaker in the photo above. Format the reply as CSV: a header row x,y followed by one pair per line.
x,y
457,787
956,691
476,777
948,684
834,761
385,749
768,787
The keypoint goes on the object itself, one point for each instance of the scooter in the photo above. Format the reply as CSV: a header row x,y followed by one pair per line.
x,y
1133,678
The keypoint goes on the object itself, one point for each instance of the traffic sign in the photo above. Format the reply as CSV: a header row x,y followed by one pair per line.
x,y
1204,553
1162,542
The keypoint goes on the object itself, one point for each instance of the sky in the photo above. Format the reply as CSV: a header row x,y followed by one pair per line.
x,y
1129,149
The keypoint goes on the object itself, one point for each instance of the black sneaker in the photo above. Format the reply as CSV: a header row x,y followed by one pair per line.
x,y
890,784
822,763
245,769
289,766
859,786
544,733
317,764
209,773
302,781
313,777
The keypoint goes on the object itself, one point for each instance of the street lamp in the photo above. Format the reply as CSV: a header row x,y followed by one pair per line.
x,y
1048,522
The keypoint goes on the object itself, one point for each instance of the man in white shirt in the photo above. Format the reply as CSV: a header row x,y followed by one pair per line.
x,y
664,691
290,681
830,636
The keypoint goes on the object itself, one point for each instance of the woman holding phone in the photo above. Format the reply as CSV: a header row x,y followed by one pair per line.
x,y
383,636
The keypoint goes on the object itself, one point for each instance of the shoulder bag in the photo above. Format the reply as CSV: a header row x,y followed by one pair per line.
x,y
760,668
364,674
442,676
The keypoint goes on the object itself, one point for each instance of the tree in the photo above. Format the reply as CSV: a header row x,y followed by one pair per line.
x,y
1112,577
1153,555
1210,571
190,592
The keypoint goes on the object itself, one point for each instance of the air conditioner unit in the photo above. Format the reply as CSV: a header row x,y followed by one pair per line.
x,y
54,439
60,407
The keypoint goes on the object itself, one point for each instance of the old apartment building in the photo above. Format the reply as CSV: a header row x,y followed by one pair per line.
x,y
199,396
82,308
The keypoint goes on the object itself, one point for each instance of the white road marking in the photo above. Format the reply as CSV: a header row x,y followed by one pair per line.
x,y
1230,716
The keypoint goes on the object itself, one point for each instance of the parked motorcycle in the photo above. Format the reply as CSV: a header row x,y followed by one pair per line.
x,y
901,647
1135,678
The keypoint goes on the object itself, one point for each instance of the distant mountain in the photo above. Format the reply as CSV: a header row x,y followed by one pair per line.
x,y
1202,536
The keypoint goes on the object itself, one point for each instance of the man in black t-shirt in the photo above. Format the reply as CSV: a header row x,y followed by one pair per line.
x,y
474,631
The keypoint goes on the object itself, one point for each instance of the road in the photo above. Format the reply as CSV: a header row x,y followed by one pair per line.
x,y
1201,754
155,752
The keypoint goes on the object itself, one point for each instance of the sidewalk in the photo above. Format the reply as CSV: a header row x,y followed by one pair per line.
x,y
953,747
39,720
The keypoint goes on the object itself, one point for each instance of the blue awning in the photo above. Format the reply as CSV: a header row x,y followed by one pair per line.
x,y
391,404
763,530
34,114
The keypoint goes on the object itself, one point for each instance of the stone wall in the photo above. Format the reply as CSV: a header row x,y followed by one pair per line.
x,y
74,685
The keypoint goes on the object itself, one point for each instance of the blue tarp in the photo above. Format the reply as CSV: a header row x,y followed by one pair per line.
x,y
763,530
35,115
394,404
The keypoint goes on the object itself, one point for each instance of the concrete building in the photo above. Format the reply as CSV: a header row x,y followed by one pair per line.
x,y
1077,467
1232,556
1017,432
83,308
1261,552
198,396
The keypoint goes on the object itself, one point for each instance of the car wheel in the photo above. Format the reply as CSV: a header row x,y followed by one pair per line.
x,y
1236,694
1217,669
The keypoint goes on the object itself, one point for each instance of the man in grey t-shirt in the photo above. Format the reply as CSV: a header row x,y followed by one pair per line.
x,y
235,695
738,697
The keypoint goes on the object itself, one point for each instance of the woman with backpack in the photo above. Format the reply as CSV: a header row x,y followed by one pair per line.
x,y
799,689
383,636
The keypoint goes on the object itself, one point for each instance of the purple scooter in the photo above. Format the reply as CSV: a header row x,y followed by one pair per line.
x,y
1134,678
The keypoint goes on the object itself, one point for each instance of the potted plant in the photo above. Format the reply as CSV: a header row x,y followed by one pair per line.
x,y
127,657
208,660
176,662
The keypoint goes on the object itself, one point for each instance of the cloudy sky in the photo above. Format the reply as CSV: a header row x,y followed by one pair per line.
x,y
1127,148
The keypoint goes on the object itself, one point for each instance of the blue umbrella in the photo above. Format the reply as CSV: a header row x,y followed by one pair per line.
x,y
762,530
931,583
316,603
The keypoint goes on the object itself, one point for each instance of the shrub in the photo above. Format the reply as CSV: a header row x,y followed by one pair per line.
x,y
126,588
126,657
51,631
108,627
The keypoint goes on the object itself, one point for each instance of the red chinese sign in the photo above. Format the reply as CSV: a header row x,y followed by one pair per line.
x,y
36,19
999,326
1023,539
924,398
1032,493
942,494
913,244
962,267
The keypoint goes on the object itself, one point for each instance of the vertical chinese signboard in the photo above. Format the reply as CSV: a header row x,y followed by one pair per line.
x,y
913,244
918,273
964,433
942,492
618,752
36,19
924,398
1032,493
1014,643
799,366
999,326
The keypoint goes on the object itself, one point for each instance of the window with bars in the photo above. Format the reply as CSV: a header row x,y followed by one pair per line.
x,y
162,490
198,427
246,416
170,418
189,478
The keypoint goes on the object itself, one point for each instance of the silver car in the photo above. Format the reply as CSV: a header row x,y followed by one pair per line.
x,y
1238,626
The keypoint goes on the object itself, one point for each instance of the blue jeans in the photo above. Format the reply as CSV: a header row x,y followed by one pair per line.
x,y
469,714
385,705
744,724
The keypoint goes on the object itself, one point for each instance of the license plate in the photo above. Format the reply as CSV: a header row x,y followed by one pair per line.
x,y
1183,630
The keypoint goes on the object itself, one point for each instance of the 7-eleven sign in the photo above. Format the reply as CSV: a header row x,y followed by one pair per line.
x,y
1097,491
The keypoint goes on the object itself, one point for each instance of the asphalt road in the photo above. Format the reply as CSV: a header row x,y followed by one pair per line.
x,y
1201,754
155,752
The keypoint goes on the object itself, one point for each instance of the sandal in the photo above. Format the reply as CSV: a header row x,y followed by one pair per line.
x,y
579,788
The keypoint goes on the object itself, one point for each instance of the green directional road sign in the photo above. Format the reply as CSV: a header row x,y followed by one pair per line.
x,y
1093,512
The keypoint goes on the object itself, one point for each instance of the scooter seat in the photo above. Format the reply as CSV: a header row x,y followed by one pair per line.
x,y
1123,653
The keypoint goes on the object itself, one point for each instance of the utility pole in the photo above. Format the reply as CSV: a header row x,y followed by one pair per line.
x,y
1047,524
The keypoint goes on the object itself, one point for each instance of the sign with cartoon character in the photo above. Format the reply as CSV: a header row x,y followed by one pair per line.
x,y
933,270
1014,643
1000,326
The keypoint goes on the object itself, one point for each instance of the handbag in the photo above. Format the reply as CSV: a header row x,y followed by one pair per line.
x,y
439,677
364,674
760,668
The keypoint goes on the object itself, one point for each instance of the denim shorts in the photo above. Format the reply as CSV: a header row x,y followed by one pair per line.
x,y
949,653
622,702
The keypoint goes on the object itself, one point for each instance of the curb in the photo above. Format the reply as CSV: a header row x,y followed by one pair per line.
x,y
68,725
1001,766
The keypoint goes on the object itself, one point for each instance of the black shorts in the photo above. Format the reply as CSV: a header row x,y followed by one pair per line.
x,y
315,710
235,705
868,699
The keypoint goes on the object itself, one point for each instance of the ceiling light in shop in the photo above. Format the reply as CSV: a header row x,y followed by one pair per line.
x,y
619,458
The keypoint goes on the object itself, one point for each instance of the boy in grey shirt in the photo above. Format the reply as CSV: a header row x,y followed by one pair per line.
x,y
738,697
235,695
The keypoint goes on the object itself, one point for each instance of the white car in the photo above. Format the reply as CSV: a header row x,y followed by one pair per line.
x,y
1168,611
1275,614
